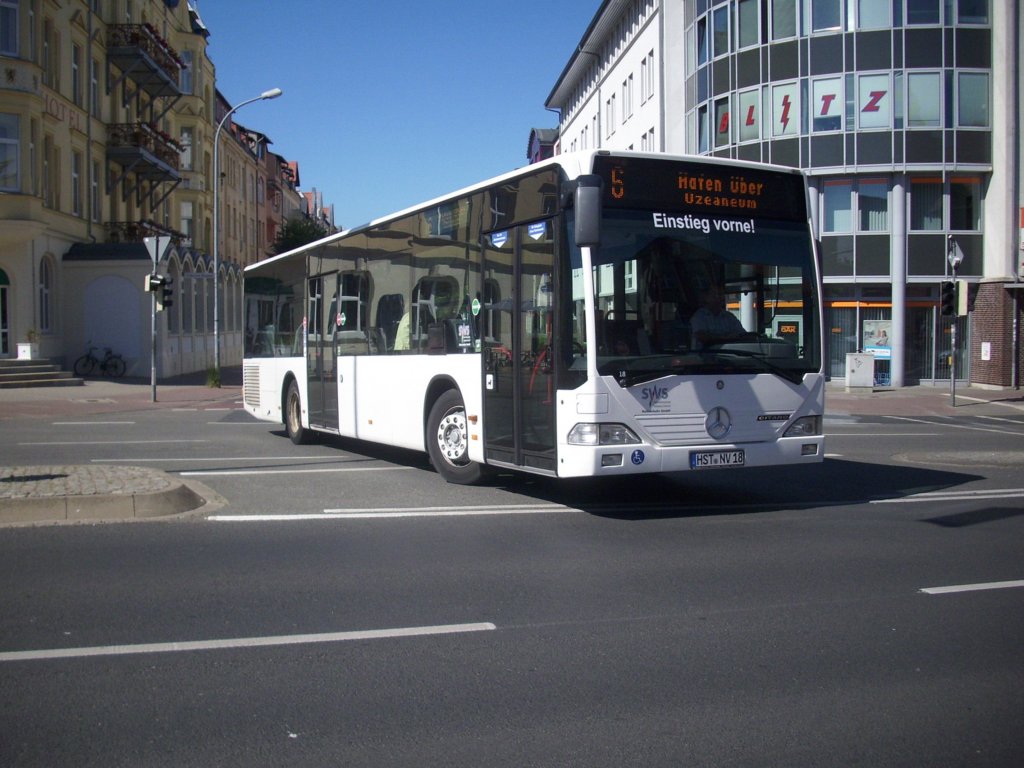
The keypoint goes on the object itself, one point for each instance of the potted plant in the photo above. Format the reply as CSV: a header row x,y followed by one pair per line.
x,y
29,349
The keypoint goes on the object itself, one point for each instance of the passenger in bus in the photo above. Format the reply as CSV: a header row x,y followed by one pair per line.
x,y
712,323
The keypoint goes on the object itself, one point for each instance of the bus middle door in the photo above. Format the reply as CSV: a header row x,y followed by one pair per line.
x,y
519,308
322,352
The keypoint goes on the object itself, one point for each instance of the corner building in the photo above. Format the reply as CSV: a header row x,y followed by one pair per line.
x,y
904,114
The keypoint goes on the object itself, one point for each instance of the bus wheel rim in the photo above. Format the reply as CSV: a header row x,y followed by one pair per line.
x,y
451,437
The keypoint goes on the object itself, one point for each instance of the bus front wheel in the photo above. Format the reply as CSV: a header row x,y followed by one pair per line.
x,y
448,440
293,415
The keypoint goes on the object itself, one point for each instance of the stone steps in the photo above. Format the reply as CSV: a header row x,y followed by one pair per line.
x,y
35,373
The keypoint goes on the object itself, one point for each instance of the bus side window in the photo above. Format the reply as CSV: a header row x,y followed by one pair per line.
x,y
390,309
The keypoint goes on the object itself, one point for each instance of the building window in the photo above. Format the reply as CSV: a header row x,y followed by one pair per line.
x,y
786,109
720,39
186,152
873,205
76,183
827,104
185,80
748,23
722,122
826,15
924,99
186,219
965,204
76,74
703,140
972,11
9,28
875,100
94,88
972,100
926,204
9,153
702,41
923,11
627,98
94,191
647,71
609,117
45,295
749,115
873,14
783,19
837,209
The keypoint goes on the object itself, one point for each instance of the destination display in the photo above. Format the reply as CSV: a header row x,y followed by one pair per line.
x,y
701,188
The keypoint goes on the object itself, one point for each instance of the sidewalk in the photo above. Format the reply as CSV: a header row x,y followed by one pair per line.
x,y
95,493
38,495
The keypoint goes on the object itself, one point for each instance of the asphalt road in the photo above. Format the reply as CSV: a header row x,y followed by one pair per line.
x,y
347,607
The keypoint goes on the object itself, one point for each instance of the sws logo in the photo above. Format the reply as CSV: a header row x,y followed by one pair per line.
x,y
654,394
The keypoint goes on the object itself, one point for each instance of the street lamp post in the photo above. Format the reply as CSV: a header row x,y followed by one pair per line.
x,y
273,93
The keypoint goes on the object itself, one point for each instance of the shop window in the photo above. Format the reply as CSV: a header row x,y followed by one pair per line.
x,y
965,204
972,99
837,210
873,205
926,204
924,100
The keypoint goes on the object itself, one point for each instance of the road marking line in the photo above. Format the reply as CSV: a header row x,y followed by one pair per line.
x,y
87,423
293,457
243,642
974,587
401,512
218,472
116,442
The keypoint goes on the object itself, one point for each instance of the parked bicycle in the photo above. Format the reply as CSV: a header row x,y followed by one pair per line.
x,y
111,364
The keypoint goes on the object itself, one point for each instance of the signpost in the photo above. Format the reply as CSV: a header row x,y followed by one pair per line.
x,y
154,286
954,256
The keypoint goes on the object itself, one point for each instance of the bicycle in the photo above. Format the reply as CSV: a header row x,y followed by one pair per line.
x,y
111,364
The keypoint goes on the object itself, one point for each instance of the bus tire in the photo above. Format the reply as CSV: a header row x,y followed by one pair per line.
x,y
448,440
293,416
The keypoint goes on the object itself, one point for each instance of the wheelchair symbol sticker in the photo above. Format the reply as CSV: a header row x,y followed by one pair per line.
x,y
637,457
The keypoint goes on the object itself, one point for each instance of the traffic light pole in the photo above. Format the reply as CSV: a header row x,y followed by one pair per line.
x,y
152,327
954,255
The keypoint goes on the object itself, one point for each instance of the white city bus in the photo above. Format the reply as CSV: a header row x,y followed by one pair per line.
x,y
545,321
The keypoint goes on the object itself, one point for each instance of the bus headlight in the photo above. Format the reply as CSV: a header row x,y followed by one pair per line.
x,y
805,426
602,434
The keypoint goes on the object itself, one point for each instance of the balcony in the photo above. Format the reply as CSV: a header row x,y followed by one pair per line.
x,y
142,55
141,149
135,231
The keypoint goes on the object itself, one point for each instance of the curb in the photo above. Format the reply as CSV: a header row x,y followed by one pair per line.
x,y
40,495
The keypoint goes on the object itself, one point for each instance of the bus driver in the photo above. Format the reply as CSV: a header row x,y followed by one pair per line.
x,y
713,323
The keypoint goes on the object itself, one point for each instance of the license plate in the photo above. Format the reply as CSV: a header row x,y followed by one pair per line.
x,y
709,459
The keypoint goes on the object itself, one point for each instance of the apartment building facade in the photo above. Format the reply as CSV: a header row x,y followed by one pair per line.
x,y
107,122
904,114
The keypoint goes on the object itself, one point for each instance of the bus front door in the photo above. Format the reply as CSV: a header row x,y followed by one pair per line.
x,y
321,352
519,409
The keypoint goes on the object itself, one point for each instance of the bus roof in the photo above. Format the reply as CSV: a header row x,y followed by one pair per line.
x,y
573,163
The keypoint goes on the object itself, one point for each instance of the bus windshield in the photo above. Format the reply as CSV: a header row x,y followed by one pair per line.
x,y
697,294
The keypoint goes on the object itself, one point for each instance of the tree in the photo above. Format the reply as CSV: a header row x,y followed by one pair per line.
x,y
298,231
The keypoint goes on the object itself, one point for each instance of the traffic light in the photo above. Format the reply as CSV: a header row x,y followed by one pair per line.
x,y
947,302
167,293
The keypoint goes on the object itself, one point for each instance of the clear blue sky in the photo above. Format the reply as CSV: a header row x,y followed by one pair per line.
x,y
389,104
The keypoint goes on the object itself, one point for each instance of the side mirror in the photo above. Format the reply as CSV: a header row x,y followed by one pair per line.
x,y
587,230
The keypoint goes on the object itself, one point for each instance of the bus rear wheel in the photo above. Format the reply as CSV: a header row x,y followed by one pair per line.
x,y
293,415
448,440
